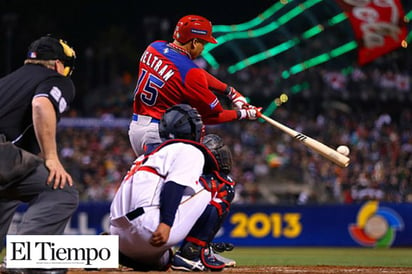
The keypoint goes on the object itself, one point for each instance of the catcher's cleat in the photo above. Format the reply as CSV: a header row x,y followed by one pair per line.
x,y
183,264
222,247
210,261
227,261
206,262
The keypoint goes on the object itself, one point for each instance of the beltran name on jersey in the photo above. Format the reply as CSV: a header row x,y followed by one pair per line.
x,y
157,65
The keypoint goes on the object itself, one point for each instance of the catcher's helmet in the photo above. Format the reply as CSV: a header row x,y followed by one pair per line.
x,y
50,48
181,122
221,151
193,26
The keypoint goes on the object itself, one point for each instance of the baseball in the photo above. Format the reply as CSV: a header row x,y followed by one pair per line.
x,y
343,150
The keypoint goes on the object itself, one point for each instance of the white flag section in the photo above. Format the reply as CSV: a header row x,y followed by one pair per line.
x,y
62,251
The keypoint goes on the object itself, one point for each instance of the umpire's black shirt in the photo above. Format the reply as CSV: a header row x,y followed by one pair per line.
x,y
17,90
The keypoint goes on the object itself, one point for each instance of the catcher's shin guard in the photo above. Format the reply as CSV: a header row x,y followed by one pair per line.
x,y
197,243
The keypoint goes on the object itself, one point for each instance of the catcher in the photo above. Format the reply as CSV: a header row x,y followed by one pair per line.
x,y
161,203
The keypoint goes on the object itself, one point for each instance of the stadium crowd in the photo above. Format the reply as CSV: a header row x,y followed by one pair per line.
x,y
364,108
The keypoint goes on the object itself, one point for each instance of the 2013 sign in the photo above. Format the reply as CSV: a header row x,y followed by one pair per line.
x,y
261,225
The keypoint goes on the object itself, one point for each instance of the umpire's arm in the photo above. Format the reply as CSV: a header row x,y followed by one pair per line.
x,y
45,124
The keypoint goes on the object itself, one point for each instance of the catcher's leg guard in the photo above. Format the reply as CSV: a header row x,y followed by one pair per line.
x,y
196,245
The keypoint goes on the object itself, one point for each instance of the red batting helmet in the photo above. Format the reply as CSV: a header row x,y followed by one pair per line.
x,y
193,26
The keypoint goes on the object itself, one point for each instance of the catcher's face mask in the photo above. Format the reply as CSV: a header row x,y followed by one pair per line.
x,y
221,151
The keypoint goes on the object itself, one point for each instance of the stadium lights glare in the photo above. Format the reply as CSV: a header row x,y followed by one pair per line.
x,y
242,31
286,45
408,18
252,23
248,33
322,58
262,56
408,15
274,103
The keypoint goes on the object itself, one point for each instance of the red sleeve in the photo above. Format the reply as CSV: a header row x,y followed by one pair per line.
x,y
204,100
215,84
221,117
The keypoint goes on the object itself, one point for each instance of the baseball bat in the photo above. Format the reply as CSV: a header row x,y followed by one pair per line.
x,y
327,152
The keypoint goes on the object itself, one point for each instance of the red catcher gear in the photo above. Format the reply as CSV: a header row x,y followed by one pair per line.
x,y
193,26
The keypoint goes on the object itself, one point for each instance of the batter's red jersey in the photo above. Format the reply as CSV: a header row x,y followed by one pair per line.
x,y
168,77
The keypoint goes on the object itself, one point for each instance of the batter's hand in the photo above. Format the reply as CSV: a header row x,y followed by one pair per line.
x,y
57,173
250,113
161,235
238,100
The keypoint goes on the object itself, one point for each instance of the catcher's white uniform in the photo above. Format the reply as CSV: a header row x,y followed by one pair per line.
x,y
181,163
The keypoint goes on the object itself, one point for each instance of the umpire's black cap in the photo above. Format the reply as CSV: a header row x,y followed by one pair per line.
x,y
50,48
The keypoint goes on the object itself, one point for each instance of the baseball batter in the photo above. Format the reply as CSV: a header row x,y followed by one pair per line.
x,y
168,76
161,198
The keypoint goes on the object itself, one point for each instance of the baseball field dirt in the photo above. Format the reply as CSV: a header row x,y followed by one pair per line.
x,y
308,261
280,270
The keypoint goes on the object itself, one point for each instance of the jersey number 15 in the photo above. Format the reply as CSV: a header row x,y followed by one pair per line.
x,y
147,88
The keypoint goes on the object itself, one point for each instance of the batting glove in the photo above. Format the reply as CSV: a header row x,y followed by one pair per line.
x,y
238,100
251,113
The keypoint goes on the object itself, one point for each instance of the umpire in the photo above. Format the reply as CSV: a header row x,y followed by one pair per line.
x,y
32,99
